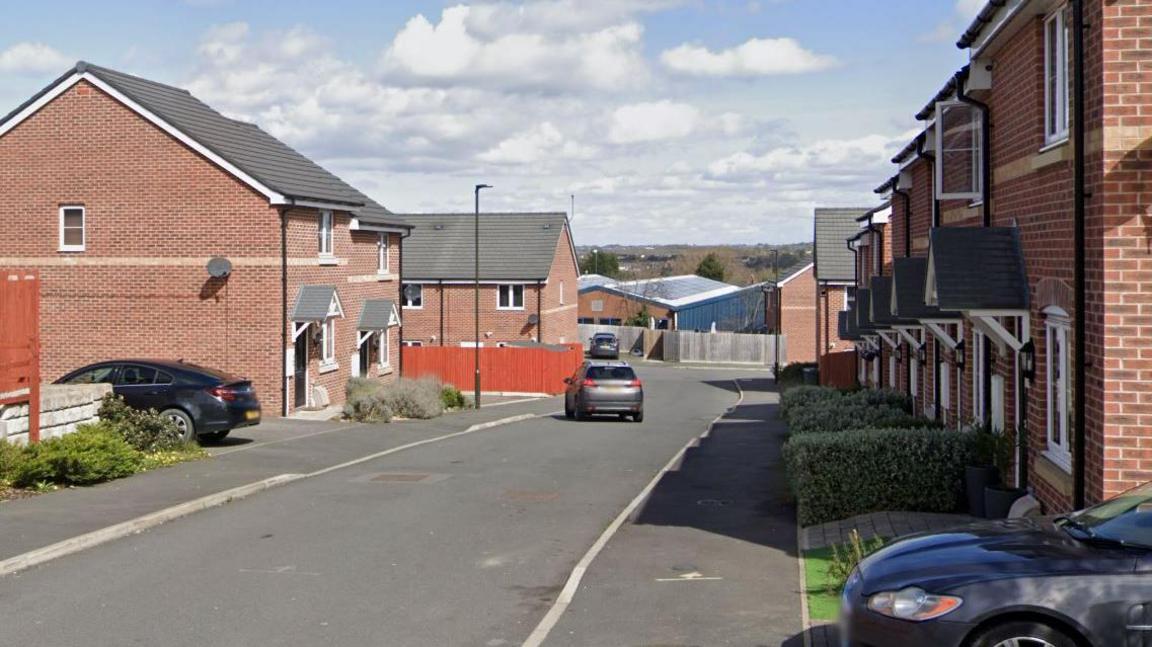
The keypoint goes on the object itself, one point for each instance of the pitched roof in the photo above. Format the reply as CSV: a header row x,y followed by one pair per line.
x,y
513,246
242,145
377,314
313,302
593,280
977,268
846,325
672,291
979,22
908,277
864,311
834,261
881,287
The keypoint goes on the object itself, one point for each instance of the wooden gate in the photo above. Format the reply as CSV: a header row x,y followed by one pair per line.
x,y
20,344
511,369
838,369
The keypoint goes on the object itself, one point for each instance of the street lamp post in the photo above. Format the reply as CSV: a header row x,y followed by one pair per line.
x,y
476,297
779,303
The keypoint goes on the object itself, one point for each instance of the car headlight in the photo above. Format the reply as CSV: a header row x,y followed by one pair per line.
x,y
913,604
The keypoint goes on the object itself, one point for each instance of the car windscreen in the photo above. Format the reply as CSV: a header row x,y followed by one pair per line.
x,y
1127,518
611,373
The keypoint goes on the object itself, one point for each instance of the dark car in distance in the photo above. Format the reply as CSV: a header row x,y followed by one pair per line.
x,y
604,388
604,345
202,402
1078,580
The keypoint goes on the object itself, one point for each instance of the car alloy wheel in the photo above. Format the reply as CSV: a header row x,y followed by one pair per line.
x,y
183,423
1027,641
1023,634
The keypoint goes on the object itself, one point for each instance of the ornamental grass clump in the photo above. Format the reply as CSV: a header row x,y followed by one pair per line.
x,y
420,398
363,401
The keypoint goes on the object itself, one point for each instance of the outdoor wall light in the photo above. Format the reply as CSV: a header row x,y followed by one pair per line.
x,y
1028,360
959,350
921,355
899,354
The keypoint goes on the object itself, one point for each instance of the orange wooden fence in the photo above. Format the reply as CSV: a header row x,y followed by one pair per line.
x,y
512,369
838,369
20,344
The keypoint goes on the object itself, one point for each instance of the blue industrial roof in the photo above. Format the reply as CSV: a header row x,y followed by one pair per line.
x,y
673,291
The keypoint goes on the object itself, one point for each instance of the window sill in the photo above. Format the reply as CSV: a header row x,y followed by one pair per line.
x,y
1053,474
329,367
1059,459
385,276
328,260
1055,143
510,309
412,307
70,250
385,370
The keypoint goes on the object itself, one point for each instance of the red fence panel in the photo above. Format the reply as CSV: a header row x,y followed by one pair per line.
x,y
20,344
511,369
838,369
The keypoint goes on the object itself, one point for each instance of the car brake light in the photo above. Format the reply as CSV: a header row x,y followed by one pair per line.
x,y
636,383
588,382
223,392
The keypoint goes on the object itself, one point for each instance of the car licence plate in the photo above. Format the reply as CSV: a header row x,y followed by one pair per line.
x,y
251,415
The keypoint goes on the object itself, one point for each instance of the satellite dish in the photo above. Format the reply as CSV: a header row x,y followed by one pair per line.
x,y
219,267
533,319
411,292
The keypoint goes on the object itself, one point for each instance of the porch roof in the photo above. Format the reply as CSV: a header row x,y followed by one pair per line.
x,y
846,325
864,312
881,287
908,277
378,314
976,268
313,302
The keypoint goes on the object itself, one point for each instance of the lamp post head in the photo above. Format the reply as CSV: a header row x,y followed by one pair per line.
x,y
482,186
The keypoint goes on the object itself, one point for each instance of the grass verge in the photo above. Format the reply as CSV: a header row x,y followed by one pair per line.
x,y
823,606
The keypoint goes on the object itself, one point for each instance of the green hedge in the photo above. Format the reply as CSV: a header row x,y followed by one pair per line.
x,y
840,475
92,454
809,409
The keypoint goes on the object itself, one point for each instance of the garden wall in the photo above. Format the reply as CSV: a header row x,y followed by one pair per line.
x,y
62,408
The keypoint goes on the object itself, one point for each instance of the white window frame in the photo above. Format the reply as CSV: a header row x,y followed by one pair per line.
x,y
412,343
976,190
1056,102
328,336
1057,330
324,233
83,228
509,289
979,349
408,304
383,249
561,292
383,349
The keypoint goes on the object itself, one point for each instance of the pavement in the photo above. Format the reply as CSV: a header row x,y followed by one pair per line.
x,y
276,446
465,541
710,559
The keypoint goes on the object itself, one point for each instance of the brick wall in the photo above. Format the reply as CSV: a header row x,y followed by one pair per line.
x,y
614,306
798,316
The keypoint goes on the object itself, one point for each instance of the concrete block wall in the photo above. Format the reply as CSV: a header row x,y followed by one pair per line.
x,y
63,407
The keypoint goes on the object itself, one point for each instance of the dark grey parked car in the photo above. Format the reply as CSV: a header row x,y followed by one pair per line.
x,y
1074,581
203,402
604,345
604,388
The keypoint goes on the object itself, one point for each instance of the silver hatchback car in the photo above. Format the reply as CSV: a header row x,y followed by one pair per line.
x,y
604,388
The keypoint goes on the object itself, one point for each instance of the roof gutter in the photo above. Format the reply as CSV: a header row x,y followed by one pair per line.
x,y
986,144
1079,207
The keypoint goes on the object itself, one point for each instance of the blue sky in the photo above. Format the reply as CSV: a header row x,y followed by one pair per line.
x,y
705,121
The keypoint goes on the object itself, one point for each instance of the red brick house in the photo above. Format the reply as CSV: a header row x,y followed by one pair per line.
x,y
120,190
835,275
795,296
1021,212
528,279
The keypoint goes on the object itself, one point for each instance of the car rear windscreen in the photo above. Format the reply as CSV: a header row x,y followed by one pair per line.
x,y
611,373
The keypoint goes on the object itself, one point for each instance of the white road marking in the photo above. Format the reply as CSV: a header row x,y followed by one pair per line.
x,y
550,619
689,577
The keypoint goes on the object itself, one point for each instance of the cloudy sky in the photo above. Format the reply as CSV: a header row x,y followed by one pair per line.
x,y
698,121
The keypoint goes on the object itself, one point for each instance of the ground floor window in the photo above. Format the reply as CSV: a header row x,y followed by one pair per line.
x,y
585,320
1058,389
383,345
411,343
610,322
328,341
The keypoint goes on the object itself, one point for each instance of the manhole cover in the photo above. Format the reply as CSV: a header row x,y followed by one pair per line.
x,y
401,478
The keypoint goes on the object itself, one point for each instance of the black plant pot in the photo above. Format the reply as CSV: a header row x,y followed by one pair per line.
x,y
975,480
998,501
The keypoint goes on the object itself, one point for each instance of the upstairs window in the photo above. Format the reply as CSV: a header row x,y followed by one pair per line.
x,y
959,146
382,254
413,295
72,229
325,233
511,297
1055,78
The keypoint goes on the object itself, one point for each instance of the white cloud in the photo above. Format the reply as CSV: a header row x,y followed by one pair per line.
x,y
541,143
853,161
963,12
655,121
506,48
33,58
755,57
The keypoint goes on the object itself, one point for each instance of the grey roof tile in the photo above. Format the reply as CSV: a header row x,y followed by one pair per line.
x,y
376,314
881,287
313,302
833,227
978,268
243,145
513,246
908,278
864,311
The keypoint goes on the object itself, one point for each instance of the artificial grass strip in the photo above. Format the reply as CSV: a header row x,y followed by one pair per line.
x,y
822,605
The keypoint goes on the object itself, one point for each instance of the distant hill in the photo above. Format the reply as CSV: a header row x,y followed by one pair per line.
x,y
744,264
